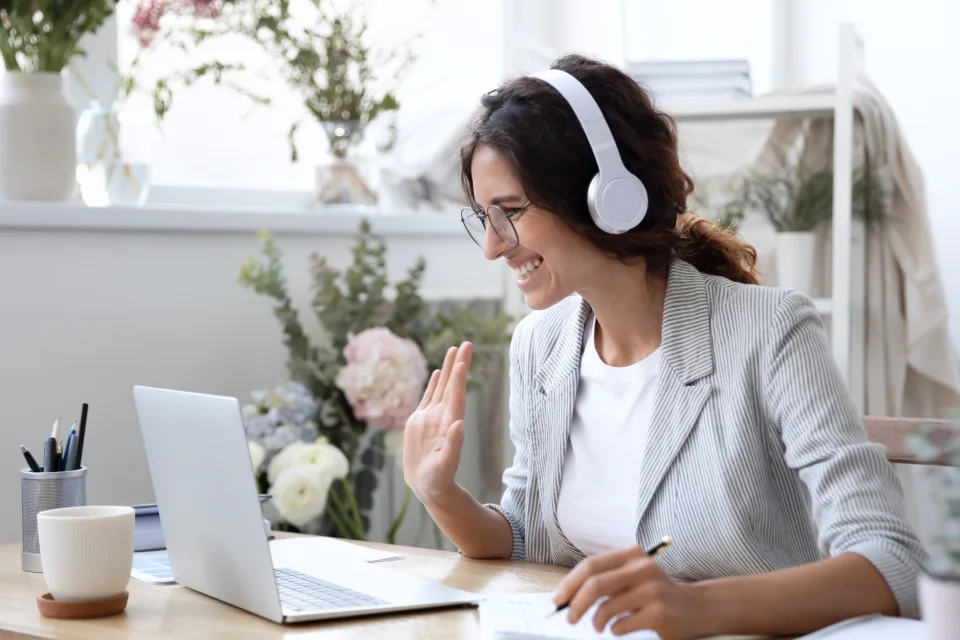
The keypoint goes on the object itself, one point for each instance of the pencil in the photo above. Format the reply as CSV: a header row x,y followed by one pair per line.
x,y
653,552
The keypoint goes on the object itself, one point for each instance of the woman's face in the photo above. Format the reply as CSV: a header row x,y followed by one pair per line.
x,y
551,260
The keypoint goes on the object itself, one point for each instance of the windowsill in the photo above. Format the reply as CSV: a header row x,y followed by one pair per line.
x,y
196,218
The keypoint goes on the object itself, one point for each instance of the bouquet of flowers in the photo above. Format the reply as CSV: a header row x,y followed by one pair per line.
x,y
319,441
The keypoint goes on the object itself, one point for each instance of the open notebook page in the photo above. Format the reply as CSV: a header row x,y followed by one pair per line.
x,y
525,616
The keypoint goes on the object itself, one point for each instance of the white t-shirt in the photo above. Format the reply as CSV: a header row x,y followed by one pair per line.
x,y
599,486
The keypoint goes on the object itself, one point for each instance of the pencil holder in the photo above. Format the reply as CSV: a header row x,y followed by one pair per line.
x,y
41,491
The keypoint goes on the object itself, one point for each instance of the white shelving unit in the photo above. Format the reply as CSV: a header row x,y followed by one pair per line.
x,y
845,308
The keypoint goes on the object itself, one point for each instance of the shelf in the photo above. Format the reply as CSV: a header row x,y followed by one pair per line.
x,y
39,215
754,108
824,305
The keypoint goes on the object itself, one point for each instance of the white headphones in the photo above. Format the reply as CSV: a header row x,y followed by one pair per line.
x,y
616,198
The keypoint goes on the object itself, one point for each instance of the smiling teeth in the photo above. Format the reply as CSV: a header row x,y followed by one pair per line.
x,y
524,270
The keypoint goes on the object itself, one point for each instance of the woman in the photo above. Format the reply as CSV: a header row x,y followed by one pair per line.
x,y
657,390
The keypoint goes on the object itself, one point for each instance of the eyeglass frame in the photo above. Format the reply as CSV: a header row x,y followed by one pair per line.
x,y
484,215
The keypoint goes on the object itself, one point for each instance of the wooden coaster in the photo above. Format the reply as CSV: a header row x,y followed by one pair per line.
x,y
111,606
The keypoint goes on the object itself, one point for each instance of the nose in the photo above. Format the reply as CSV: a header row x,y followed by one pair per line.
x,y
493,244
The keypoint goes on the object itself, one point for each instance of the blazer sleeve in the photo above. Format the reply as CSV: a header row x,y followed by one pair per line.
x,y
856,499
513,503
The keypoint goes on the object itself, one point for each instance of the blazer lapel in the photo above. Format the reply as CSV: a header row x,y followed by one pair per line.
x,y
683,386
557,381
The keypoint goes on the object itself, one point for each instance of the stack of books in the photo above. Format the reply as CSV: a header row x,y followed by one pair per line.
x,y
693,80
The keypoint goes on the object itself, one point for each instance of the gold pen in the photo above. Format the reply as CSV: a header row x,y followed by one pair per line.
x,y
653,552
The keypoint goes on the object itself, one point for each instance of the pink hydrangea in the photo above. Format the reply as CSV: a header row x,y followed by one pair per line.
x,y
383,378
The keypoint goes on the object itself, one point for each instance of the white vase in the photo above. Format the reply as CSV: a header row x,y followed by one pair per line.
x,y
795,259
38,159
940,606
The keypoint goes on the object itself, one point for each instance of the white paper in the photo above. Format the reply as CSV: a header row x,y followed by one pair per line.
x,y
295,551
872,628
526,616
152,567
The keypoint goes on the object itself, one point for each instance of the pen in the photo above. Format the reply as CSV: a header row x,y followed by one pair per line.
x,y
50,455
653,552
30,460
67,449
81,433
71,462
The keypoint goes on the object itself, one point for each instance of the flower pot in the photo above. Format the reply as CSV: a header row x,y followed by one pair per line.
x,y
344,180
38,159
940,606
795,260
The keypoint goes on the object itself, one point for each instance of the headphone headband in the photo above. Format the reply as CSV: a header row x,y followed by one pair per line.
x,y
617,199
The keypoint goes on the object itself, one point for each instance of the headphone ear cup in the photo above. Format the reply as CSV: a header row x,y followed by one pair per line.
x,y
617,205
592,205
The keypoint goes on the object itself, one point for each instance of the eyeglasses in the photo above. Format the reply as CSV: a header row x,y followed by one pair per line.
x,y
475,222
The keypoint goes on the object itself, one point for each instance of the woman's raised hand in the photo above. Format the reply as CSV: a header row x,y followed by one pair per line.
x,y
433,435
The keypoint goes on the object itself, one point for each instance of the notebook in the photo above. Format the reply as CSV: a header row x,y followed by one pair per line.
x,y
525,616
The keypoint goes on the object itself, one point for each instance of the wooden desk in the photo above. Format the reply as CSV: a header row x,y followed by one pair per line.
x,y
173,612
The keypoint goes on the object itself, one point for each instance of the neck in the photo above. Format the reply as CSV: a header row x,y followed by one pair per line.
x,y
628,304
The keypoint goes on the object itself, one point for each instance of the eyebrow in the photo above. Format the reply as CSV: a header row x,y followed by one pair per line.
x,y
506,198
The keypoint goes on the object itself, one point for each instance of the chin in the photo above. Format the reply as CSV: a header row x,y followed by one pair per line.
x,y
539,301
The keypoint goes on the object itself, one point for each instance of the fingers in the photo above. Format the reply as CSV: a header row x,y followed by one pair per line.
x,y
610,583
445,371
463,357
455,397
629,601
590,567
431,387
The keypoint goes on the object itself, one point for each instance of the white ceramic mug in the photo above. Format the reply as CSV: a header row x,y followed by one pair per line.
x,y
86,552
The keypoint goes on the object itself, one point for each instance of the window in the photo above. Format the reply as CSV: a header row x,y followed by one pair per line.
x,y
214,137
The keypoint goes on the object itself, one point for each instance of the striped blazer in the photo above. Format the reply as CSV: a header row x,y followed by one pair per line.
x,y
756,458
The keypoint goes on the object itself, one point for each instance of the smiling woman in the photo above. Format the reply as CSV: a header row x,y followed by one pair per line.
x,y
656,390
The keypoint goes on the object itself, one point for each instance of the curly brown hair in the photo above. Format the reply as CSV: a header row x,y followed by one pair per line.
x,y
537,133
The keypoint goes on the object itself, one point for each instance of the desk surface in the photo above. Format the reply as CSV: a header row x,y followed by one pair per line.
x,y
171,611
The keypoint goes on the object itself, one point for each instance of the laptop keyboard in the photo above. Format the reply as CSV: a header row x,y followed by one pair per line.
x,y
300,592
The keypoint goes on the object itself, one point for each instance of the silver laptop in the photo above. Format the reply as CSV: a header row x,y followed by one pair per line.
x,y
212,523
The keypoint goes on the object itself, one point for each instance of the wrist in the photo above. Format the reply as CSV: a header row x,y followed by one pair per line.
x,y
715,612
441,499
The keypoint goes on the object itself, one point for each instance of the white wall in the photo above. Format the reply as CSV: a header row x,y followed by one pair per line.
x,y
911,53
88,314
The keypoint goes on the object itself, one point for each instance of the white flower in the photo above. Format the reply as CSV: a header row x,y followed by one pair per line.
x,y
320,454
257,454
300,493
250,411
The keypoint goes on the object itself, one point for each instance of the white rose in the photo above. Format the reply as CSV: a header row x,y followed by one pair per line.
x,y
325,456
300,493
284,460
257,454
250,411
319,454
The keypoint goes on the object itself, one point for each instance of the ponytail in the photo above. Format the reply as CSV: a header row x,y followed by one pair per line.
x,y
715,250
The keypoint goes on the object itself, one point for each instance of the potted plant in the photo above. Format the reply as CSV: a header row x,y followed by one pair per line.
x,y
37,121
796,202
319,442
341,79
939,509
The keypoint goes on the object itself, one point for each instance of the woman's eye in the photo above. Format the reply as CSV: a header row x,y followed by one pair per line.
x,y
513,213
